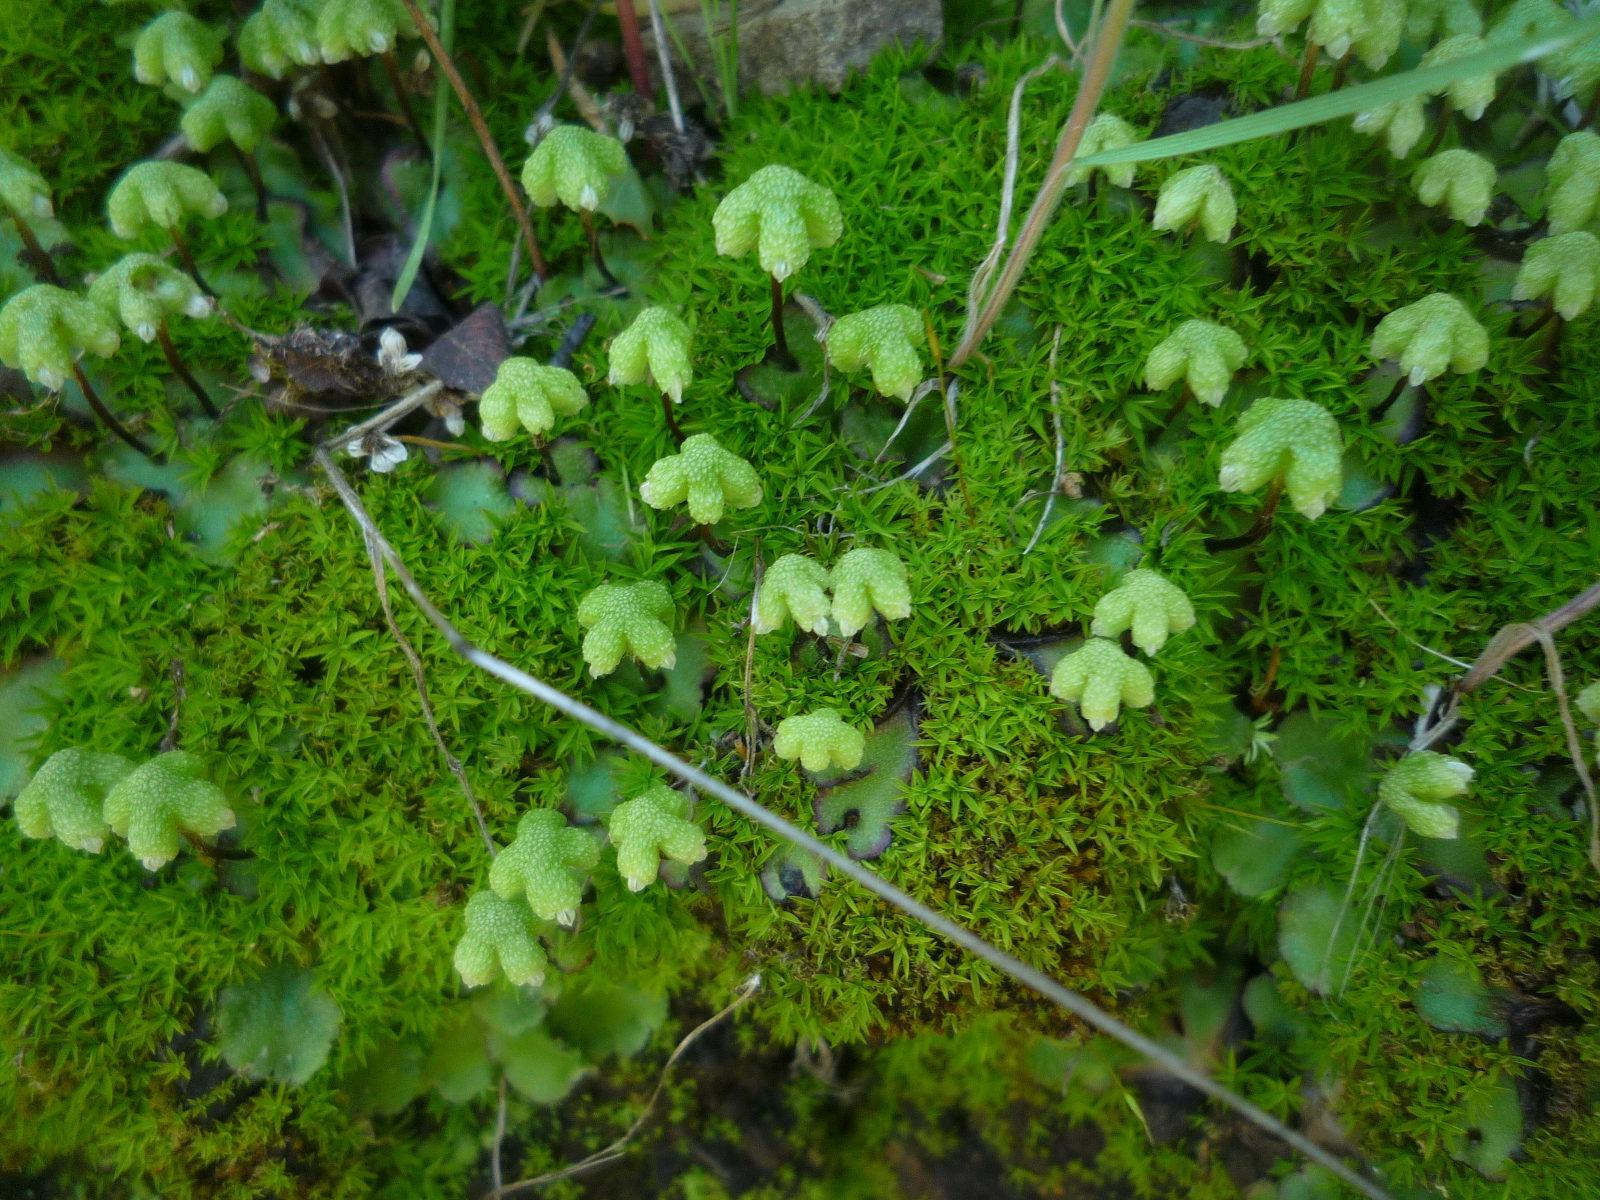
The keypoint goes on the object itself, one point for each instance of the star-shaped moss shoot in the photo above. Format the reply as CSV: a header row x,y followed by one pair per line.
x,y
1572,182
1469,96
1565,268
65,799
794,586
707,477
886,339
531,395
163,195
653,349
1106,132
1197,197
868,579
1099,678
1369,28
176,48
654,825
627,618
1201,353
1415,789
820,740
44,330
499,942
1294,441
546,865
157,802
1403,122
1146,603
1461,181
357,28
228,111
279,35
1435,334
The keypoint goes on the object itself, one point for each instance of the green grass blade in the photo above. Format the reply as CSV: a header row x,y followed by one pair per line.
x,y
1497,57
441,109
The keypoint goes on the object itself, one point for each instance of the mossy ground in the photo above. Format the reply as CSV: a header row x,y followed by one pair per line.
x,y
1089,856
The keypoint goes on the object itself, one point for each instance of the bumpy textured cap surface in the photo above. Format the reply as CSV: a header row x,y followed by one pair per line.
x,y
866,579
1588,702
44,329
279,35
143,290
793,587
1444,18
356,28
820,740
547,864
884,338
499,942
66,797
1197,196
22,189
781,215
1371,28
1099,678
1294,438
631,618
1434,334
228,111
1572,182
528,394
653,348
1415,787
159,195
705,475
652,826
1469,96
1151,606
1566,268
1202,353
176,48
1106,132
1403,121
574,165
1463,182
159,800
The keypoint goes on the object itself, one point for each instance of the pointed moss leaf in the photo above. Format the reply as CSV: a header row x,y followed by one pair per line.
x,y
1099,678
279,35
44,330
1566,268
781,215
654,825
1319,769
1415,788
229,110
498,942
820,740
867,804
66,797
1197,197
709,479
1451,997
601,1018
157,802
1256,858
654,348
1314,951
1148,605
1106,132
357,28
161,195
1201,353
22,189
458,1065
1295,440
542,1069
547,865
391,1078
575,166
143,290
885,339
1460,181
633,618
279,1027
793,588
176,48
1572,188
868,580
1490,1126
531,395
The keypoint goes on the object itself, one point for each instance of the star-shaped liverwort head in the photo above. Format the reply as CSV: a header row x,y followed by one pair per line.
x,y
886,339
1415,789
279,35
22,189
781,215
528,394
228,111
161,195
794,586
357,28
1469,96
707,477
1572,182
1403,122
575,166
631,618
1197,197
1296,440
143,290
654,348
1459,180
820,740
1565,268
1426,19
178,49
1201,353
1099,678
653,825
1434,335
44,330
1371,29
157,802
66,797
498,941
868,580
1146,603
546,865
1106,132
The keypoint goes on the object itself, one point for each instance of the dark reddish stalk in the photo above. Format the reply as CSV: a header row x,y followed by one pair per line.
x,y
672,419
182,372
181,244
593,233
391,68
1308,67
104,413
40,257
633,48
780,340
1258,530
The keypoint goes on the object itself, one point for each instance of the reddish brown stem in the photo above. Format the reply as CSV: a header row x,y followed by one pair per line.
x,y
1308,67
182,372
593,233
36,253
780,356
1258,530
391,68
104,413
633,48
181,245
672,419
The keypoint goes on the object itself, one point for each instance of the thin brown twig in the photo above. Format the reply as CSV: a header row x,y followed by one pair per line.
x,y
42,261
633,49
